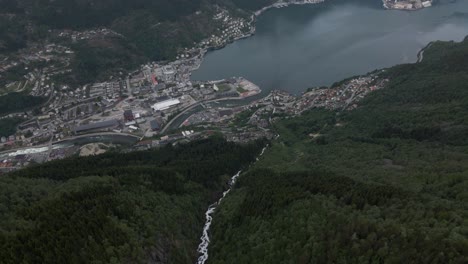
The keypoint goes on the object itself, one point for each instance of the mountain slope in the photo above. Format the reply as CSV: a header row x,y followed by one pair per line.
x,y
156,27
147,30
385,183
140,207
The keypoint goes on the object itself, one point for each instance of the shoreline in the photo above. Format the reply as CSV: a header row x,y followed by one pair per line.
x,y
407,5
252,22
278,5
420,55
258,13
203,51
285,4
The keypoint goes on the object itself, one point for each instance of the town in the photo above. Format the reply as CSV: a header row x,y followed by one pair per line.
x,y
155,105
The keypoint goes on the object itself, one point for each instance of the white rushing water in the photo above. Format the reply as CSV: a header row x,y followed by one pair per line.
x,y
205,238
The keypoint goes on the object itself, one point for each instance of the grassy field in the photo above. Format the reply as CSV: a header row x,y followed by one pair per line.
x,y
224,87
241,90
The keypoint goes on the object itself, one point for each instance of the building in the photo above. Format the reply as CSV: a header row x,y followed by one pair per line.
x,y
159,86
131,123
160,106
128,115
43,117
226,112
168,70
154,80
162,98
109,124
155,125
427,4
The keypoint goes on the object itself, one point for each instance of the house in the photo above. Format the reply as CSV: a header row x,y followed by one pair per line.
x,y
128,115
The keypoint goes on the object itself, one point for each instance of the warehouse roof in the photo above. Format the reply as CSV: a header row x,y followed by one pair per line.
x,y
165,104
98,125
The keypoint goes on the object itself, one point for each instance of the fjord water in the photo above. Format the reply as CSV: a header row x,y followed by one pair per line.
x,y
314,45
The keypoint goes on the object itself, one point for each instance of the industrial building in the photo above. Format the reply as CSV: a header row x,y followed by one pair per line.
x,y
109,124
160,106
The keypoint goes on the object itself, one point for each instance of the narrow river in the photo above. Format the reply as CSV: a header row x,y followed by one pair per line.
x,y
205,238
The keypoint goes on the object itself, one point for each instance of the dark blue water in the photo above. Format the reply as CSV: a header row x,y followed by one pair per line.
x,y
314,45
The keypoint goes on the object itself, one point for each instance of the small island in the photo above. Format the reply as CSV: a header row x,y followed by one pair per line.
x,y
406,4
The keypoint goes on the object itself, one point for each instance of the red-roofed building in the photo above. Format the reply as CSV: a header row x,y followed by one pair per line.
x,y
155,82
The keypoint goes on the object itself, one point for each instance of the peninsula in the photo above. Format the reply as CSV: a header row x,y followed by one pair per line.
x,y
407,4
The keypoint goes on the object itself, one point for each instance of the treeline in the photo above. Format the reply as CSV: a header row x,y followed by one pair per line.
x,y
92,13
384,183
8,126
189,160
12,33
16,29
97,60
14,102
113,208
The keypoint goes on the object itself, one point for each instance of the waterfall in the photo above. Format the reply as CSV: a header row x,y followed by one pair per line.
x,y
205,238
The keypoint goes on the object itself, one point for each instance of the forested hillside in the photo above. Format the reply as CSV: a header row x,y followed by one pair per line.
x,y
78,14
14,102
140,207
149,30
156,27
385,183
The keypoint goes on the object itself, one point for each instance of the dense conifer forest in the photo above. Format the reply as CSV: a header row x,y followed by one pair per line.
x,y
140,207
14,102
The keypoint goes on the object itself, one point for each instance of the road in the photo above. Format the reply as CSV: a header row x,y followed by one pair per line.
x,y
129,87
195,105
49,146
72,138
421,52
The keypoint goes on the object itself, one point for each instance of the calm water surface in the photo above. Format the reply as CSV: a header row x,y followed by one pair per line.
x,y
314,45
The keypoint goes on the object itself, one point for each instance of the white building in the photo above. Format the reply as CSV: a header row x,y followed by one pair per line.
x,y
165,104
427,4
168,70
